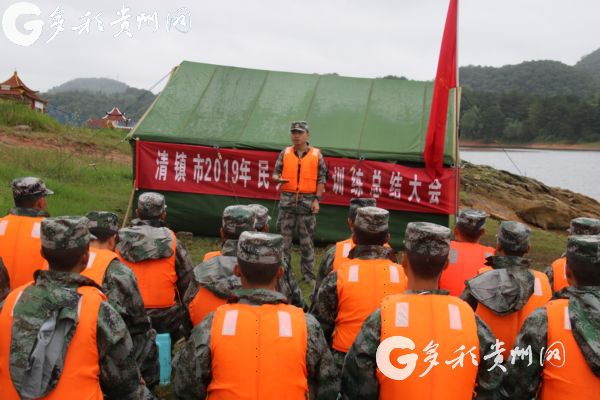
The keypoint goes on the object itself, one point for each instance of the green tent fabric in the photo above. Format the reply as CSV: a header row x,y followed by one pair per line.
x,y
230,107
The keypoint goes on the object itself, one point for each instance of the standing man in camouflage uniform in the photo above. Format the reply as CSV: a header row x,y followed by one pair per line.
x,y
505,294
120,286
337,254
216,275
435,323
20,232
302,173
59,335
557,272
350,294
571,319
467,256
148,241
257,347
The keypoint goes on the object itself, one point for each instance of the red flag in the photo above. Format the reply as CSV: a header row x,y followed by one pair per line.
x,y
444,80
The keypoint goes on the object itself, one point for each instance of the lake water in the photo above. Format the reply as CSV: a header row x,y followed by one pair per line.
x,y
578,171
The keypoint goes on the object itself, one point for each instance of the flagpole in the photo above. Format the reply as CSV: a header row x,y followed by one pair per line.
x,y
456,119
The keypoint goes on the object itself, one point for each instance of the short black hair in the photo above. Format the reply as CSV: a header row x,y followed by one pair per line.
x,y
426,266
369,238
517,253
27,201
103,234
469,234
231,236
258,273
63,260
585,273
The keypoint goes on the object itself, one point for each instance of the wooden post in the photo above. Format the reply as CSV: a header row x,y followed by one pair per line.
x,y
126,217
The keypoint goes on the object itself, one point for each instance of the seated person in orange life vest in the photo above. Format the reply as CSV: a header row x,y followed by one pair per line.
x,y
121,289
467,256
160,263
347,296
505,294
338,254
571,319
213,281
261,224
257,346
20,243
59,337
557,272
439,327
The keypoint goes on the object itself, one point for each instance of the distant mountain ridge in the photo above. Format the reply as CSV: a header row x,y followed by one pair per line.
x,y
93,85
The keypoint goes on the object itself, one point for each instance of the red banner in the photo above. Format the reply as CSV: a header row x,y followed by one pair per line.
x,y
247,173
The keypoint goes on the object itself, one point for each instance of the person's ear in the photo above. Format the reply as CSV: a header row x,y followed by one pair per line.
x,y
85,258
237,271
446,264
570,276
280,272
350,224
387,238
112,241
222,234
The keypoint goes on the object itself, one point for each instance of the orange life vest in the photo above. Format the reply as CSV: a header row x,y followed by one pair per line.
x,y
342,250
361,284
443,320
506,327
156,278
204,303
258,352
98,264
211,254
464,261
20,248
302,173
574,380
559,274
80,378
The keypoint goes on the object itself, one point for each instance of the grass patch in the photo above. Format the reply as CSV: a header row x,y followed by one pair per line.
x,y
13,113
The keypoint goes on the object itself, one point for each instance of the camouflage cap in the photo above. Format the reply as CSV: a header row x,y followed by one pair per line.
x,y
470,220
427,239
238,219
513,236
103,220
585,226
259,247
359,202
372,219
29,186
299,126
584,248
151,204
261,213
64,233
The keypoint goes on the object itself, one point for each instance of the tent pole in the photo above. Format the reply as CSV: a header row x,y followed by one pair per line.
x,y
129,205
457,92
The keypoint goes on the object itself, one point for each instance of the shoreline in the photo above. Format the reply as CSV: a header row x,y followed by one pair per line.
x,y
468,144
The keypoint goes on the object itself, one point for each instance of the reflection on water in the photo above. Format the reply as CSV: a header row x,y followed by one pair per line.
x,y
578,171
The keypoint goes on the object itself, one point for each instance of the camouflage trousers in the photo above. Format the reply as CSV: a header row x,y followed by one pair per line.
x,y
146,356
287,222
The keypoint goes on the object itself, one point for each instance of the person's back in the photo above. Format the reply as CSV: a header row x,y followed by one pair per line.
x,y
20,242
508,293
256,347
467,255
421,344
59,338
557,271
347,296
565,331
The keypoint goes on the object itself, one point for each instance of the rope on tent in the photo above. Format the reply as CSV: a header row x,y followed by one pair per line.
x,y
513,163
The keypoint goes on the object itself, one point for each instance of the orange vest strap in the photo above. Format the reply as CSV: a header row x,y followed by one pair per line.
x,y
98,263
559,274
203,304
211,254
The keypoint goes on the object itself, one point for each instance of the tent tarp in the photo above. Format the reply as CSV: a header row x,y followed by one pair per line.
x,y
229,107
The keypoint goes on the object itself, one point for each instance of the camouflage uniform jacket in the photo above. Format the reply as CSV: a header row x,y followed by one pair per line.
x,y
4,281
119,374
4,278
302,203
325,306
504,290
121,289
522,380
217,275
327,266
359,380
193,363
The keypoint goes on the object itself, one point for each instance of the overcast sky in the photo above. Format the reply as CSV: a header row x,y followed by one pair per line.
x,y
352,37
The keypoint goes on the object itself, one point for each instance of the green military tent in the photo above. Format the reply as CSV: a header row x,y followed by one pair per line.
x,y
237,108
